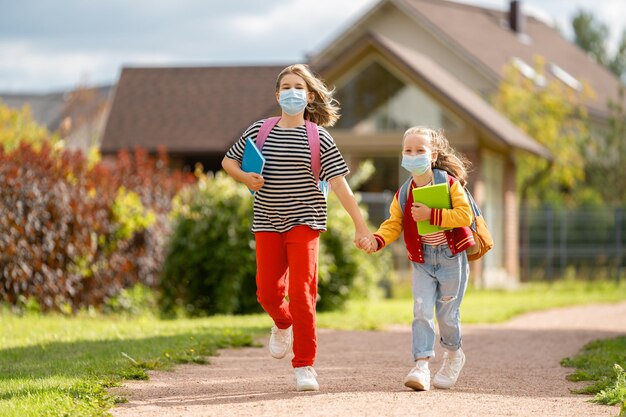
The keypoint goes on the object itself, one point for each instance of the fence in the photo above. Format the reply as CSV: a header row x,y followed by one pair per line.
x,y
584,243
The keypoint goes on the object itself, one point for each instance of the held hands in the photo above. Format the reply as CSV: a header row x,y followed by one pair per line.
x,y
365,240
420,212
369,245
254,181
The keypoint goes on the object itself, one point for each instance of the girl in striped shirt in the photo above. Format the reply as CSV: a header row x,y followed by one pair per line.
x,y
290,213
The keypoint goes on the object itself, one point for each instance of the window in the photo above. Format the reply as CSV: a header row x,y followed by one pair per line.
x,y
528,72
565,77
375,100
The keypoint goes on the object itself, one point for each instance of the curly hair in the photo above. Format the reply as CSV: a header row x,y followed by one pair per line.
x,y
324,109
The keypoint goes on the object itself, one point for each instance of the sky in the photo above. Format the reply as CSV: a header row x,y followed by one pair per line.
x,y
47,46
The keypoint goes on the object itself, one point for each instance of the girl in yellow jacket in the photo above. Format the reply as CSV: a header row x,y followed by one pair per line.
x,y
440,269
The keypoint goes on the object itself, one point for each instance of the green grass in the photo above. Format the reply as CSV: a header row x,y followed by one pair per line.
x,y
60,366
479,306
602,362
56,365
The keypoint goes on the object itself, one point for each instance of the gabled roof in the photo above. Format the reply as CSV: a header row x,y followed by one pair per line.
x,y
194,109
452,92
482,37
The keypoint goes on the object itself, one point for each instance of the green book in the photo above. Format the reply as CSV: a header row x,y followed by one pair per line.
x,y
433,196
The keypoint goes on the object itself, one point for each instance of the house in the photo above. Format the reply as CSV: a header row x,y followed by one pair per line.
x,y
195,112
403,63
78,115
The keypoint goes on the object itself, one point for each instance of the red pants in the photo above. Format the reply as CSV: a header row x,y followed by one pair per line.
x,y
287,263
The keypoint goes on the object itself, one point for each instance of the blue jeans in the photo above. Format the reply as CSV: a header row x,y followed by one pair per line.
x,y
440,282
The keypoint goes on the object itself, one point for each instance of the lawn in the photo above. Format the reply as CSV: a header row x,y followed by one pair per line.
x,y
602,362
479,306
56,365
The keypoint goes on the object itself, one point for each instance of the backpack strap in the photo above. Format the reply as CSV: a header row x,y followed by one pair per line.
x,y
404,193
440,176
264,131
313,136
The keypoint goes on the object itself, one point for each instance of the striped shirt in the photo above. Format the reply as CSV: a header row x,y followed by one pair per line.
x,y
435,239
290,197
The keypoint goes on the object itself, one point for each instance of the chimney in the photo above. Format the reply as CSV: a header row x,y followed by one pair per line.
x,y
517,22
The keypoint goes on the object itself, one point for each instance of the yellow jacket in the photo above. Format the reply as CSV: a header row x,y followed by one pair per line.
x,y
459,217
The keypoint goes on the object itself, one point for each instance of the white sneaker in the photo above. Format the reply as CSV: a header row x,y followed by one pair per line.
x,y
419,377
448,374
280,341
306,379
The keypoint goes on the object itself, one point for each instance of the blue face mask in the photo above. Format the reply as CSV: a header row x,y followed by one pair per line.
x,y
292,101
416,164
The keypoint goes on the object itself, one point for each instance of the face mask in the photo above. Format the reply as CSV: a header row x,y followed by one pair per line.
x,y
416,164
292,101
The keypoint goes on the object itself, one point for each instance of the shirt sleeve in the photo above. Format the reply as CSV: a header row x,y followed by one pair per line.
x,y
460,215
331,161
391,228
236,151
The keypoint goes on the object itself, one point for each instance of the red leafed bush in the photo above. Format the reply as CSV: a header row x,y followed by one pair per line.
x,y
59,240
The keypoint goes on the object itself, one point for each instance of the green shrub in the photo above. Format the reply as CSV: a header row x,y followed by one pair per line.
x,y
210,264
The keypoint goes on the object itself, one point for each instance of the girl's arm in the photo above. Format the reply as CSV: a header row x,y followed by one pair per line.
x,y
341,188
391,228
252,180
461,213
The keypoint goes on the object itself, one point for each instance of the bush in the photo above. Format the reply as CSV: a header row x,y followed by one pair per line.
x,y
210,265
156,185
70,237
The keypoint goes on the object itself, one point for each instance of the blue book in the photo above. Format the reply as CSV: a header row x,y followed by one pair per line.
x,y
253,160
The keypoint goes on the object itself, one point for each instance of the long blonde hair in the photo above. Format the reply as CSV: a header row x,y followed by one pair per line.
x,y
324,109
447,158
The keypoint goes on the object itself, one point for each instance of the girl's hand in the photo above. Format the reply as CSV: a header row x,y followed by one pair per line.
x,y
368,244
362,235
420,212
254,181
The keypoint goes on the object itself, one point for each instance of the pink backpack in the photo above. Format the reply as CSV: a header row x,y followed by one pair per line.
x,y
313,137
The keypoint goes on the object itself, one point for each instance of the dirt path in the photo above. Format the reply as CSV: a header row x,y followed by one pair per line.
x,y
512,370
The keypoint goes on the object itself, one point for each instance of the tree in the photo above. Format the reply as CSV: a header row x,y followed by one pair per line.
x,y
18,126
554,115
592,36
607,155
607,152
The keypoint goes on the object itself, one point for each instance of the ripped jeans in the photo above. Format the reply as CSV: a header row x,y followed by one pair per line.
x,y
439,283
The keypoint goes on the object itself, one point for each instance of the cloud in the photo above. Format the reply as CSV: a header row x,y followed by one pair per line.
x,y
54,43
47,71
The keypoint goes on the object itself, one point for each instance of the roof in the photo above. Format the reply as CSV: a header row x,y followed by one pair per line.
x,y
188,109
454,93
495,44
482,37
46,109
50,109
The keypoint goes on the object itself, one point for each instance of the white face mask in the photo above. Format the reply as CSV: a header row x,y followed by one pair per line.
x,y
292,101
416,164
